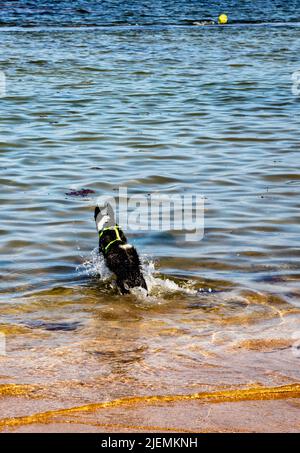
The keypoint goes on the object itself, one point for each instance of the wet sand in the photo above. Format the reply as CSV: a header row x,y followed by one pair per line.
x,y
251,410
139,368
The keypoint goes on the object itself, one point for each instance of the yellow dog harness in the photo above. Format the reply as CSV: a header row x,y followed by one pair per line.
x,y
118,238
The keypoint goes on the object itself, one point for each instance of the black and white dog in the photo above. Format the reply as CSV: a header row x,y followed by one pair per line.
x,y
120,257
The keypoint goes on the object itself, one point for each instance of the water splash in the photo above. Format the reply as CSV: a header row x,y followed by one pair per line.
x,y
94,266
158,285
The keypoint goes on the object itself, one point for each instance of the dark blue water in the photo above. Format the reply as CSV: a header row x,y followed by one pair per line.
x,y
115,12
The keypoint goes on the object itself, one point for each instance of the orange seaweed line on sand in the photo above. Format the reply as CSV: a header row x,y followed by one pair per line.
x,y
135,427
257,393
16,389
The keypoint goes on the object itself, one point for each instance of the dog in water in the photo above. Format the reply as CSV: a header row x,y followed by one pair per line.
x,y
120,257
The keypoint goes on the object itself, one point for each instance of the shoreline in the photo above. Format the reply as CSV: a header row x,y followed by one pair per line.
x,y
246,404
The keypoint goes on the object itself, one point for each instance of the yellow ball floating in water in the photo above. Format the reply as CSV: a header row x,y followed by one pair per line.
x,y
223,19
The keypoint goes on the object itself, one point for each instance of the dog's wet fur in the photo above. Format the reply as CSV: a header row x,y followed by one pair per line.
x,y
120,257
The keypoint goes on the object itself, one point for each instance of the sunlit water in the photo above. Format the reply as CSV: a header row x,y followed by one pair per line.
x,y
204,110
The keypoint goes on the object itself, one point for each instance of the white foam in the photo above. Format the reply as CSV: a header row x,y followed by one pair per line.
x,y
158,287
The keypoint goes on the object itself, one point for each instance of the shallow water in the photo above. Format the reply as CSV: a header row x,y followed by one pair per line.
x,y
169,109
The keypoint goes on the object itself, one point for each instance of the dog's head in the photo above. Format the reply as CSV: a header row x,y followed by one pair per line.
x,y
104,217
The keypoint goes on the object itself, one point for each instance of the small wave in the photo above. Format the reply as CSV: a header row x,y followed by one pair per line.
x,y
53,27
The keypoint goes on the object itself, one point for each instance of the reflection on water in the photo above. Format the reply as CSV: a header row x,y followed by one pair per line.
x,y
153,109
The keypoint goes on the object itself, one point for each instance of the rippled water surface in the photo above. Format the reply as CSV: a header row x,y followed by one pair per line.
x,y
180,109
131,12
